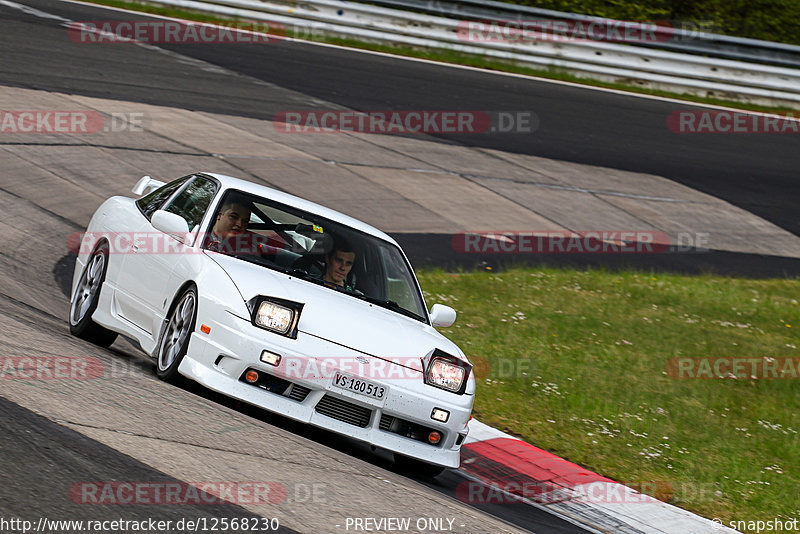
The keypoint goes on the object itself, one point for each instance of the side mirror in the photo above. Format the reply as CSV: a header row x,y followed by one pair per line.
x,y
442,316
170,223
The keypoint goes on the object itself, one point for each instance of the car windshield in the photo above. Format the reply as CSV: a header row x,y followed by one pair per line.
x,y
315,249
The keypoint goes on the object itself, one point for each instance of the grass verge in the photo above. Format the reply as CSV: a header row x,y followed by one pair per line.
x,y
576,362
446,56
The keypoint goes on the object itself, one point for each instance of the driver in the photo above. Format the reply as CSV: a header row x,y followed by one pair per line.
x,y
338,264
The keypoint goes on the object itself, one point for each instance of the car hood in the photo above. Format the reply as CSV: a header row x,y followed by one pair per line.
x,y
340,318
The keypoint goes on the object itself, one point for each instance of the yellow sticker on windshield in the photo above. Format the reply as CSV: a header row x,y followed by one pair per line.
x,y
317,228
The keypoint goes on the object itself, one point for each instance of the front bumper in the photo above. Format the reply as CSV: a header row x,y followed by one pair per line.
x,y
218,361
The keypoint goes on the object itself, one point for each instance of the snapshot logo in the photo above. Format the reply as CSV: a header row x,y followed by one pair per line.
x,y
721,368
50,368
776,524
561,242
114,492
170,31
406,122
526,31
731,122
68,122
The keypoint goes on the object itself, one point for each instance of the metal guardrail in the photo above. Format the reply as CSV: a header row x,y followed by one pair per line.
x,y
692,41
607,61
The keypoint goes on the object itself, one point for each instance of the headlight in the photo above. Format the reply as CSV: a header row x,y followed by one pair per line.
x,y
446,372
276,315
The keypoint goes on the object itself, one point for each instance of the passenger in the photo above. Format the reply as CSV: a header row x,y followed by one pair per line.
x,y
230,235
232,219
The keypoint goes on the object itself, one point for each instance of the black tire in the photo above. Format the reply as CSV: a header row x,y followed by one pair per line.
x,y
84,301
415,468
175,338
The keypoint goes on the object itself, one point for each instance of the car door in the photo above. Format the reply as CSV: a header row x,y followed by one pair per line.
x,y
121,272
143,292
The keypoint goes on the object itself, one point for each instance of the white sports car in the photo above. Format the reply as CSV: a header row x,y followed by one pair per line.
x,y
281,303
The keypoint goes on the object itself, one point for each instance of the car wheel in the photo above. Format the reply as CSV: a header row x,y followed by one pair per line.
x,y
175,339
417,468
85,299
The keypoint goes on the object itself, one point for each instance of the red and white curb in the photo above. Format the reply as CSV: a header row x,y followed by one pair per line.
x,y
517,471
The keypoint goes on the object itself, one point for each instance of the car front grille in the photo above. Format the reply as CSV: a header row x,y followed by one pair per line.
x,y
344,411
396,425
386,422
298,392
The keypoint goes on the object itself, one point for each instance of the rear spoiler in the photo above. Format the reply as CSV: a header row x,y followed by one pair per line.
x,y
146,185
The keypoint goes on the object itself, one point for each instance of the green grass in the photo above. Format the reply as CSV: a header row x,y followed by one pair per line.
x,y
575,363
449,56
757,19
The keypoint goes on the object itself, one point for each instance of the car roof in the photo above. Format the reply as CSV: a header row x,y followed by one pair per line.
x,y
230,182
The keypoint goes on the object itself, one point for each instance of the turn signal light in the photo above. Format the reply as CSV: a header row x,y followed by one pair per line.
x,y
434,437
251,377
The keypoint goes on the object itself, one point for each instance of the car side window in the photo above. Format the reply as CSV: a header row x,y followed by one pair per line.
x,y
192,202
399,285
151,202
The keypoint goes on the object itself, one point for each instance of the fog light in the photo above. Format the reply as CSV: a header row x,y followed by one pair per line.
x,y
434,437
251,377
440,415
270,357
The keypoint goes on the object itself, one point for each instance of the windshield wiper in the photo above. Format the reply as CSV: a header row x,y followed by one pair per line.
x,y
297,273
390,304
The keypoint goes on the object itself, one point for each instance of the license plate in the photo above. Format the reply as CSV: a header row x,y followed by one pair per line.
x,y
359,385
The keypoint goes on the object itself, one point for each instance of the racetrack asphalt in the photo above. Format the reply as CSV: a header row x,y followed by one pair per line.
x,y
47,465
51,184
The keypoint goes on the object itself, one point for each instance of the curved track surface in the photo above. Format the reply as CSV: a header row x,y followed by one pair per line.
x,y
755,172
124,425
